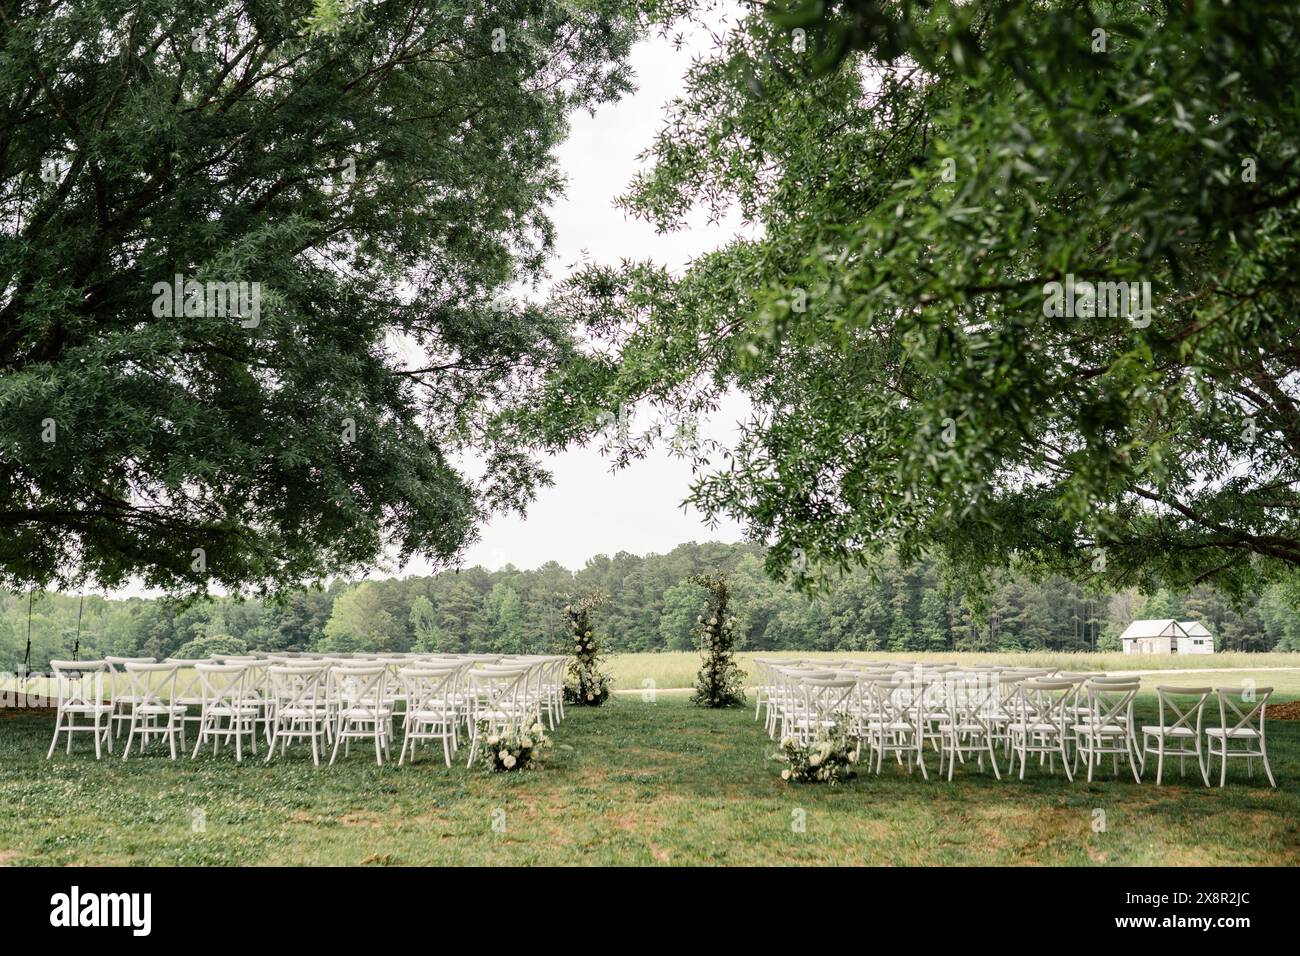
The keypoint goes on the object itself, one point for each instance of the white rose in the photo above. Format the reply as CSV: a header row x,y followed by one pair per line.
x,y
591,697
509,761
815,760
785,774
787,741
493,741
526,743
503,754
537,727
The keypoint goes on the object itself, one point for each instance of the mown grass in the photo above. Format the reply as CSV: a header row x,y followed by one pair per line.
x,y
634,782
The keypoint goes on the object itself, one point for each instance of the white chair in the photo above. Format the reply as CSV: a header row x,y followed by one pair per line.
x,y
225,714
361,710
970,727
823,702
79,690
1039,722
154,712
430,708
188,690
298,708
118,694
1107,726
894,722
1247,729
1174,734
497,703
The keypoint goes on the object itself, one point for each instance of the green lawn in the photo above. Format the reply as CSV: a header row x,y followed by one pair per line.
x,y
634,782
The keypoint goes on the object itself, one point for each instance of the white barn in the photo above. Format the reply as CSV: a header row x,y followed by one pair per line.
x,y
1167,637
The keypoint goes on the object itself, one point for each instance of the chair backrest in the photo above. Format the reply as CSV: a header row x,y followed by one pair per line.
x,y
428,688
188,688
78,683
152,685
1244,719
1185,712
359,686
496,689
295,685
828,697
1043,700
1109,702
220,685
115,670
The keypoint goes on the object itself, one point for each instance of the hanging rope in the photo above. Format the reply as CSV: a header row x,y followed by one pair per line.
x,y
27,657
81,606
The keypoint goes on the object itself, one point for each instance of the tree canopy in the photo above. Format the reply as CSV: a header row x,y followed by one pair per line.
x,y
919,178
252,257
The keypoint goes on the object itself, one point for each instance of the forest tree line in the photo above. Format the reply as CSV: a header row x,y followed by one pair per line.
x,y
652,606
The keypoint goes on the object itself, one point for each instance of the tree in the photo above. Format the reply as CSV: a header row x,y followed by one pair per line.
x,y
934,186
216,220
683,605
429,636
359,623
204,647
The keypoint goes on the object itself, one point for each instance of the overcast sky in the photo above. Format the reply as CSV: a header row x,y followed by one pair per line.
x,y
591,510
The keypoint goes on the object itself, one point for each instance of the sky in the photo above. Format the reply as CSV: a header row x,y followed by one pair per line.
x,y
590,509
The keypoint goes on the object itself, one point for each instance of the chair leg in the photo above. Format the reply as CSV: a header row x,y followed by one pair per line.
x,y
1263,753
1223,766
58,721
1160,760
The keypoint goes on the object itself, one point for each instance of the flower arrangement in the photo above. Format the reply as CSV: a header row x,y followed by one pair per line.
x,y
718,684
828,759
516,749
588,685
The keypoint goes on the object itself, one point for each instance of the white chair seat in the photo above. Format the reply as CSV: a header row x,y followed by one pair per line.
x,y
87,708
1088,727
1234,733
1156,730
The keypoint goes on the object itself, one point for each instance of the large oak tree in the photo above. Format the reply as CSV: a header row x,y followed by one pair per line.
x,y
918,175
381,172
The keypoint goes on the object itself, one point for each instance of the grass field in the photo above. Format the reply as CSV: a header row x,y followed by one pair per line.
x,y
634,782
677,669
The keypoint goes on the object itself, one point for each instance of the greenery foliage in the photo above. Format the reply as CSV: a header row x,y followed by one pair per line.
x,y
827,759
916,178
720,683
382,174
589,684
519,748
653,606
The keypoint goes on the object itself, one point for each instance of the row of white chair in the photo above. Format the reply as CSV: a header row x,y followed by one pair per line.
x,y
237,699
964,712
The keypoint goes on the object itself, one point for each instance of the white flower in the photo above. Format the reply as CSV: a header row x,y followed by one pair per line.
x,y
493,741
509,761
504,756
589,633
591,697
713,621
787,741
526,743
537,727
815,760
785,774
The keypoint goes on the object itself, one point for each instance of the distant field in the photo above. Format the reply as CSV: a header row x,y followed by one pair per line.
x,y
678,669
